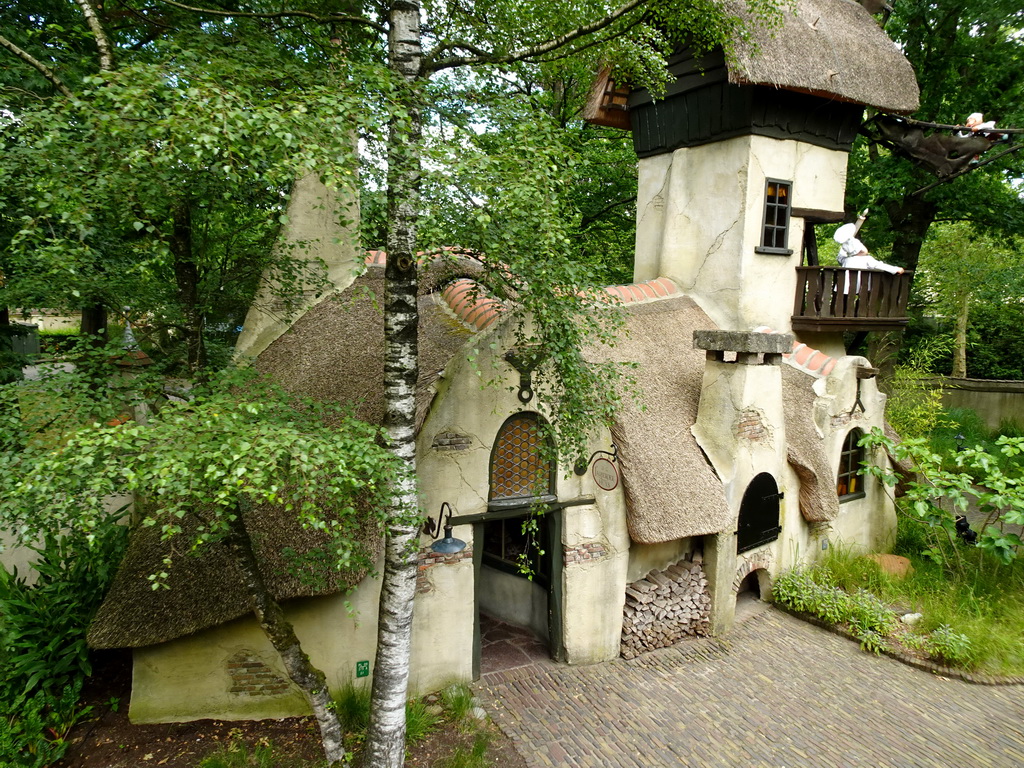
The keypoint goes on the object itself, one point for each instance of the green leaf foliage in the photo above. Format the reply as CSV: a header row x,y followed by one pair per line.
x,y
232,442
935,495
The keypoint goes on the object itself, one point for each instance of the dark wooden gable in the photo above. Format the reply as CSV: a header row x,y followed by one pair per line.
x,y
701,106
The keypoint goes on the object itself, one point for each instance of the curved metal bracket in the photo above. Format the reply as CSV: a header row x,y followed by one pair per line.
x,y
581,467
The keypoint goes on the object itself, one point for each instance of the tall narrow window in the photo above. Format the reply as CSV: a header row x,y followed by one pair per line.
x,y
775,232
759,514
850,485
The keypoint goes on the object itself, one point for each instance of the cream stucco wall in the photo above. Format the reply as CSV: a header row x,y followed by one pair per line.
x,y
741,427
592,592
644,558
700,212
188,678
322,229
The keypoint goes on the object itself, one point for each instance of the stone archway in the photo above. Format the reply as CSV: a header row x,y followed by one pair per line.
x,y
754,568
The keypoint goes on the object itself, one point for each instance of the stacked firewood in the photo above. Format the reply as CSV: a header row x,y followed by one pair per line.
x,y
664,607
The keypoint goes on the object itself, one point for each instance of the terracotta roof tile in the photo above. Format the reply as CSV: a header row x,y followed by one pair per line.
x,y
805,358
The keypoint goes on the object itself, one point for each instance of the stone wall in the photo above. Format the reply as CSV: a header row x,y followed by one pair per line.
x,y
995,401
664,607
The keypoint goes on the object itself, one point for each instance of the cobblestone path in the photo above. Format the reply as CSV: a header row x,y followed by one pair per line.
x,y
776,692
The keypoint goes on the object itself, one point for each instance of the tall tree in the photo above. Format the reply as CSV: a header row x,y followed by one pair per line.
x,y
437,53
968,57
961,268
157,178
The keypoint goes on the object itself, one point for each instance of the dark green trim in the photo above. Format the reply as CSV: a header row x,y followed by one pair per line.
x,y
478,550
556,603
498,513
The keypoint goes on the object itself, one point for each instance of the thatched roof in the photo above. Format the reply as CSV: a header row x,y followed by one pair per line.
x,y
333,353
671,490
831,48
805,448
205,589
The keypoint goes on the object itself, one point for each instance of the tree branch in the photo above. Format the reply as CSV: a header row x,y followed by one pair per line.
x,y
334,18
968,169
586,221
532,51
102,41
32,61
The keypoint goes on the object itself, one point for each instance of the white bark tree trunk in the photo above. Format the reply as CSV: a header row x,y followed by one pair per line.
x,y
385,739
310,680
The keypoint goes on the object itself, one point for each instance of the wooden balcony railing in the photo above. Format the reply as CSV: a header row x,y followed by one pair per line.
x,y
838,299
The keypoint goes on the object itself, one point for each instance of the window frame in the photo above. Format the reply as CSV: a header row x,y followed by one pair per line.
x,y
850,458
772,207
506,511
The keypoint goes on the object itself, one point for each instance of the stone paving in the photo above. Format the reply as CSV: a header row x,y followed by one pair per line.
x,y
776,692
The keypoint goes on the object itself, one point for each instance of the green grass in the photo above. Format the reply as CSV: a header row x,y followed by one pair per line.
x,y
458,703
240,755
352,704
474,757
979,599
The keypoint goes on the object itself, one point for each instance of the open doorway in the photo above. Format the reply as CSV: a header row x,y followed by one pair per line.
x,y
518,565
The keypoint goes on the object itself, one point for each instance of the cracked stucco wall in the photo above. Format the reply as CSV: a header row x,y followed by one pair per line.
x,y
592,588
699,216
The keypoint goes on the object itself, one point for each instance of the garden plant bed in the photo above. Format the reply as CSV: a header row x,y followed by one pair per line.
x,y
895,649
108,740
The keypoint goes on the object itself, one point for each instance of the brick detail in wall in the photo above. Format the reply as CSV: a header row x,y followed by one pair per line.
x,y
664,607
756,561
251,677
841,420
585,553
451,441
751,426
428,559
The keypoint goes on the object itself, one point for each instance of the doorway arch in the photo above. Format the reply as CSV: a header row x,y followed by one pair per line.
x,y
758,522
519,562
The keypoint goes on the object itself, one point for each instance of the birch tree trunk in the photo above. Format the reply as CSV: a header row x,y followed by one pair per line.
x,y
310,680
385,739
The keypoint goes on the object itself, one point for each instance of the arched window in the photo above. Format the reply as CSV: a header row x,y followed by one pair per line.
x,y
522,464
850,485
522,477
759,513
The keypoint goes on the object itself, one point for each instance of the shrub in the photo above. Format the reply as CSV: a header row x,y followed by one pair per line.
x,y
43,625
869,612
58,341
949,647
43,652
33,728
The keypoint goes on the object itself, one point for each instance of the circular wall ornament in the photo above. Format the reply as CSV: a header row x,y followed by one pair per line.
x,y
606,475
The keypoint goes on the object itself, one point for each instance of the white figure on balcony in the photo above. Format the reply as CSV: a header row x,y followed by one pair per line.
x,y
853,254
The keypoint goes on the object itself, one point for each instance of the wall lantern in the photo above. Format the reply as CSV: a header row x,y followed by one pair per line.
x,y
449,545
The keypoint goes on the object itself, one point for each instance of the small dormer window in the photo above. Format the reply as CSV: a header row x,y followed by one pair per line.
x,y
775,232
849,484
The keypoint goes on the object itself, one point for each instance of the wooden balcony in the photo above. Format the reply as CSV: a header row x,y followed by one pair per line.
x,y
835,299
